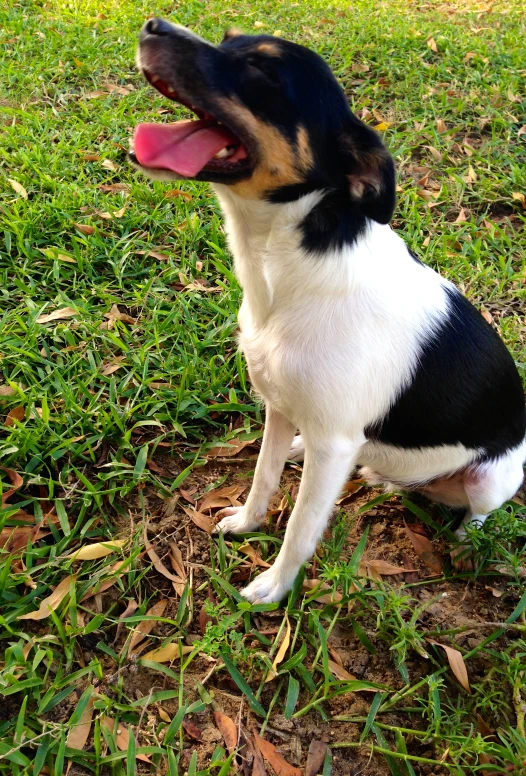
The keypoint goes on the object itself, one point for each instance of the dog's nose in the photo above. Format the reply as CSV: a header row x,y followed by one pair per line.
x,y
157,27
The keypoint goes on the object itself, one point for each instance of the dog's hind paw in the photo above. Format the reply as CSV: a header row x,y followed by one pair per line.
x,y
297,449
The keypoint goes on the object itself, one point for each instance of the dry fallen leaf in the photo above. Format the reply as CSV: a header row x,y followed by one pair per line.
x,y
192,730
176,559
18,188
486,315
382,126
340,672
462,216
109,165
471,176
163,715
17,413
79,734
85,228
495,591
122,737
6,390
351,487
441,125
222,497
432,44
178,193
98,550
203,522
229,449
469,55
282,651
522,130
52,602
519,197
274,758
128,612
16,481
251,552
228,729
91,157
146,626
456,662
111,187
259,25
435,153
57,315
155,255
110,369
424,549
322,598
115,315
168,653
157,562
315,757
384,568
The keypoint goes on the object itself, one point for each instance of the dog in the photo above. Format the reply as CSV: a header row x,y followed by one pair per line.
x,y
377,360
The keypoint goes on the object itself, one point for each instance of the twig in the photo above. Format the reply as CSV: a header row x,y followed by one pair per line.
x,y
389,752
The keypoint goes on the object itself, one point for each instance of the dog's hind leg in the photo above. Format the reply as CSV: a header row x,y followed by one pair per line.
x,y
277,438
327,465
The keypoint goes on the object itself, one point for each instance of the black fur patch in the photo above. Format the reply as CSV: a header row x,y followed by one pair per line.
x,y
466,389
334,222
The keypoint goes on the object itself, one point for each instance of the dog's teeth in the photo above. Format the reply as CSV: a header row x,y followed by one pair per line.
x,y
225,152
154,79
170,90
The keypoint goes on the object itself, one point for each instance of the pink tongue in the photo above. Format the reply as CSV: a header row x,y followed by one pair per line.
x,y
184,147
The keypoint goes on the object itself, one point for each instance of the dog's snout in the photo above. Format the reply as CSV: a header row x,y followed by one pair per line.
x,y
157,27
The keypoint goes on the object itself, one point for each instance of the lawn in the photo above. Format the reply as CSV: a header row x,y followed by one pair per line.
x,y
127,421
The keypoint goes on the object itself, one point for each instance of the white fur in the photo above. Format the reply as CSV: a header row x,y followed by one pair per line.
x,y
330,341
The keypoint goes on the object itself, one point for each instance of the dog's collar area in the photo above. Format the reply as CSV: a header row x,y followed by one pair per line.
x,y
189,147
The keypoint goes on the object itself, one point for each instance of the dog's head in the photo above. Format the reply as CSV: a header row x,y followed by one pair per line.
x,y
272,123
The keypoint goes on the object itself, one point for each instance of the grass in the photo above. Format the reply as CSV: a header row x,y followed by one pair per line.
x,y
107,419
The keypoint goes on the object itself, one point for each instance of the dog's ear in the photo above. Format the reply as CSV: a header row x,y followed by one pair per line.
x,y
370,170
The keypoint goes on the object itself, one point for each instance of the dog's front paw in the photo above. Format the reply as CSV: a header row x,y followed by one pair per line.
x,y
236,520
268,588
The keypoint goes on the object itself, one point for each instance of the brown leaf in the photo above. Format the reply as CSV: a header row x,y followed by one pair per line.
x,y
469,55
282,651
462,216
176,559
97,550
424,549
432,44
486,315
163,715
203,522
157,562
15,479
52,602
274,758
435,153
17,413
441,126
351,487
115,315
101,587
519,197
6,390
85,228
57,315
168,653
146,626
228,729
522,130
110,369
495,591
222,497
111,187
91,157
192,730
322,598
94,95
231,448
382,567
122,737
471,176
251,552
154,255
79,734
258,765
178,193
315,757
109,165
18,188
456,662
340,672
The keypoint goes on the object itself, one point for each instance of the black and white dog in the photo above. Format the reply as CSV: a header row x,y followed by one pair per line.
x,y
376,359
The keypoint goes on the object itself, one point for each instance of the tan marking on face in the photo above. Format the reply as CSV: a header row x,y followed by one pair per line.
x,y
232,32
305,156
272,49
277,164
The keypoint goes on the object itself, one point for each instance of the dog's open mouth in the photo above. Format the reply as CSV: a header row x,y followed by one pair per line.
x,y
188,147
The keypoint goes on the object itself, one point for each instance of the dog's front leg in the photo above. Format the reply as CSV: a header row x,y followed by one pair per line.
x,y
277,438
327,465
